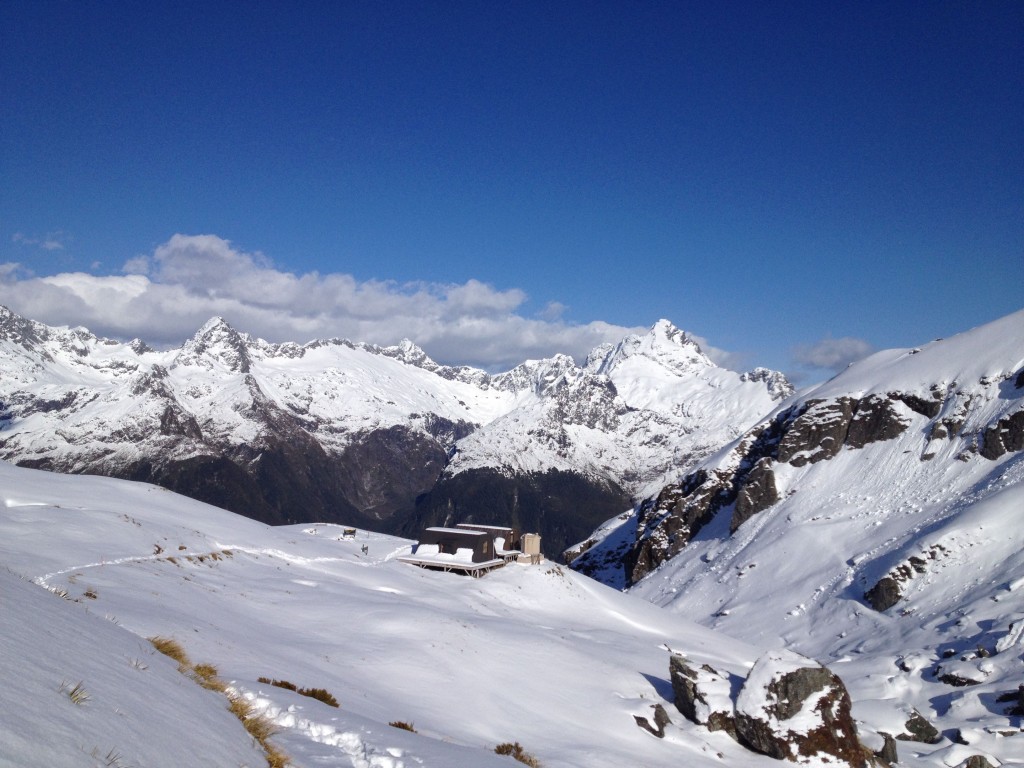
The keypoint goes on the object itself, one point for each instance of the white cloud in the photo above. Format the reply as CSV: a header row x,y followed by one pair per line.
x,y
832,354
51,241
164,297
552,311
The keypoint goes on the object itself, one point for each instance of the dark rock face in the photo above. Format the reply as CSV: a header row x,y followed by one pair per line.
x,y
817,433
874,420
1016,699
927,407
563,507
1005,436
703,695
666,524
757,493
795,688
385,470
957,681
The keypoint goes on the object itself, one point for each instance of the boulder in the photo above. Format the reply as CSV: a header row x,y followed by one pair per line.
x,y
976,761
888,754
792,708
884,595
703,695
919,729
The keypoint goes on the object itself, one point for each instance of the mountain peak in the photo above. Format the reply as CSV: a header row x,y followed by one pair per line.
x,y
665,329
665,344
407,352
17,329
216,341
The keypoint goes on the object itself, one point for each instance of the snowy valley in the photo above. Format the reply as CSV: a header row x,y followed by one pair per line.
x,y
868,525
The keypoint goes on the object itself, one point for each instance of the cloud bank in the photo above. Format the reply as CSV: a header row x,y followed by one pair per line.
x,y
832,354
165,297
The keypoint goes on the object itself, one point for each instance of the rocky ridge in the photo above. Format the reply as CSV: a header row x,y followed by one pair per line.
x,y
872,524
956,416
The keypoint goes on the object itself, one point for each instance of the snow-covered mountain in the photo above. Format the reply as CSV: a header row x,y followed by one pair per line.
x,y
872,523
340,431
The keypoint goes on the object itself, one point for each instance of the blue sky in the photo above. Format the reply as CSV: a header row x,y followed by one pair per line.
x,y
797,183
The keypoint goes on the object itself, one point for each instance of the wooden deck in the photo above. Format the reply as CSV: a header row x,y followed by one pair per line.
x,y
448,564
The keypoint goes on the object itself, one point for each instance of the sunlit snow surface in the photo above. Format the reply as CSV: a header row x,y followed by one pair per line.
x,y
534,654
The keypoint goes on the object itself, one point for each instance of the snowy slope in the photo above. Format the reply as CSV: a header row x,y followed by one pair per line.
x,y
80,691
872,524
534,654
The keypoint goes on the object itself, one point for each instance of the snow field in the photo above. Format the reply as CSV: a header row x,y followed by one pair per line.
x,y
537,655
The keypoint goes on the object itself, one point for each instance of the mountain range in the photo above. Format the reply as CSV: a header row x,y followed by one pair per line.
x,y
338,431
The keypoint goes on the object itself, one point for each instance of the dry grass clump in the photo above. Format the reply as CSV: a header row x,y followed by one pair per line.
x,y
260,728
76,692
206,675
321,694
516,751
279,683
403,725
171,648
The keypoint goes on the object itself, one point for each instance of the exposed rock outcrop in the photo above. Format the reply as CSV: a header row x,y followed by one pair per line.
x,y
888,590
817,433
756,493
666,524
1005,436
703,695
917,728
808,432
791,707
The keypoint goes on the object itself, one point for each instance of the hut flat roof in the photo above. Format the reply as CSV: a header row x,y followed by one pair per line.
x,y
463,531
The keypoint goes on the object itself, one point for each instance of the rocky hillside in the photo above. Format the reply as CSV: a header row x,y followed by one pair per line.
x,y
386,438
871,524
945,413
